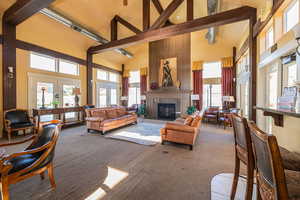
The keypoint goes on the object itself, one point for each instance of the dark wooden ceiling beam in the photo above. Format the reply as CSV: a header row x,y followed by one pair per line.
x,y
146,15
190,10
127,24
113,29
227,17
163,18
160,10
23,9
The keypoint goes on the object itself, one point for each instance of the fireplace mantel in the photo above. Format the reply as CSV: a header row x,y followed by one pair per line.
x,y
168,95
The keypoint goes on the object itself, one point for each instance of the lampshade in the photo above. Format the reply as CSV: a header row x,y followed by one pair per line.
x,y
228,98
195,97
76,91
143,97
124,98
296,31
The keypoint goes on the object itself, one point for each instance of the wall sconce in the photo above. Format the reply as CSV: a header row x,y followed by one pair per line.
x,y
10,72
296,31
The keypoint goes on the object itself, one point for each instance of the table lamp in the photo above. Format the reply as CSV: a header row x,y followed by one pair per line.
x,y
76,92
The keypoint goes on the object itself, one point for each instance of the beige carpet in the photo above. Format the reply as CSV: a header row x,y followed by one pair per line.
x,y
91,167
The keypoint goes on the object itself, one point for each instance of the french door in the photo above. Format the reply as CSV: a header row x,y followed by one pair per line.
x,y
56,91
107,94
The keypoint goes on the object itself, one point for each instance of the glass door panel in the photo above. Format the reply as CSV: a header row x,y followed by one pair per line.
x,y
102,97
69,99
113,96
48,98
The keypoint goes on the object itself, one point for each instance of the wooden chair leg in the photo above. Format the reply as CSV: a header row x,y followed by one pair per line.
x,y
42,175
4,190
250,181
9,135
235,178
24,132
51,175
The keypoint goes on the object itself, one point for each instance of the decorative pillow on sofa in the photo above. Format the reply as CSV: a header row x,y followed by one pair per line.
x,y
196,121
121,112
99,113
188,121
112,114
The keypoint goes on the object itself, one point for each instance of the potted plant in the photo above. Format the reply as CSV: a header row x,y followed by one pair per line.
x,y
55,104
191,110
142,110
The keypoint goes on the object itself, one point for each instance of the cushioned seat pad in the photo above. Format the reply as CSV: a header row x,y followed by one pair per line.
x,y
21,162
21,125
293,184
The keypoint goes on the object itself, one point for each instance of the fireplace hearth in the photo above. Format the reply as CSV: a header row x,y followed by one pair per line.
x,y
166,111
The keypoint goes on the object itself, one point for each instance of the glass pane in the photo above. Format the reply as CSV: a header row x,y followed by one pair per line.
x,y
113,96
206,95
42,62
212,70
102,97
68,99
113,77
102,75
68,68
49,96
292,75
216,95
270,38
292,16
134,77
273,77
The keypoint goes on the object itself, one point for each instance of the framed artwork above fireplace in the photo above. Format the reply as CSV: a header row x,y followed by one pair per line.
x,y
168,73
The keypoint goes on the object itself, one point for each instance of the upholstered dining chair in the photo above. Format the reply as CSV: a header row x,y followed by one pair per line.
x,y
18,120
34,160
243,153
274,183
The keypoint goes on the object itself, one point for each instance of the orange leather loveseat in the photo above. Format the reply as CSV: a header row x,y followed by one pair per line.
x,y
105,119
183,130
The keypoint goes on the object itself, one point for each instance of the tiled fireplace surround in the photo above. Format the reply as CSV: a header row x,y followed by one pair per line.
x,y
181,99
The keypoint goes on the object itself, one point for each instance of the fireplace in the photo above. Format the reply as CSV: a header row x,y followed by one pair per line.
x,y
166,111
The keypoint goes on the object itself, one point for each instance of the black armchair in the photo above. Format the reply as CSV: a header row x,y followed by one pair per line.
x,y
16,120
34,160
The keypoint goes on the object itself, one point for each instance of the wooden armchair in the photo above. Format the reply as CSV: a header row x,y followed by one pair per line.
x,y
16,120
34,160
211,113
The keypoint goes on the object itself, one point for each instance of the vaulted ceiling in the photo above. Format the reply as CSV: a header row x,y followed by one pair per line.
x,y
97,14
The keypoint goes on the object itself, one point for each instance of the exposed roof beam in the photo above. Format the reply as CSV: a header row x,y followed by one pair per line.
x,y
127,24
163,18
227,17
160,9
190,10
146,15
23,9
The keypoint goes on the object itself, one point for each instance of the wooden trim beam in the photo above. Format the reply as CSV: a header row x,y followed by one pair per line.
x,y
227,17
127,24
163,18
146,15
23,9
89,78
190,10
114,29
252,68
160,9
234,75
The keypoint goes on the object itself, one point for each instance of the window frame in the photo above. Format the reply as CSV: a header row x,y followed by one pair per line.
x,y
286,10
56,63
138,82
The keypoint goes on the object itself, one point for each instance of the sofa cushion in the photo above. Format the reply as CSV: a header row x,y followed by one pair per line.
x,y
179,127
99,113
188,121
121,112
94,119
112,114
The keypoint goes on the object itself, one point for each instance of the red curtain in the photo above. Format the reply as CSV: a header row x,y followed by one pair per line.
x,y
227,81
143,84
198,87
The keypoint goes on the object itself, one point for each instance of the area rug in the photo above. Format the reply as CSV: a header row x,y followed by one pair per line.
x,y
144,133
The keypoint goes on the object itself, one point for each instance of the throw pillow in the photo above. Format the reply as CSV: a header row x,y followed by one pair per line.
x,y
196,121
188,121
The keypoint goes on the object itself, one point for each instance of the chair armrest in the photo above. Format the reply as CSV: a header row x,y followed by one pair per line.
x,y
94,119
179,127
16,143
7,124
